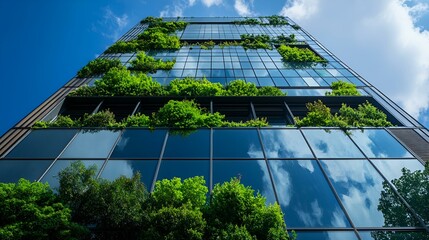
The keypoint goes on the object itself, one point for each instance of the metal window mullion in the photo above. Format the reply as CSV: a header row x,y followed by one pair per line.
x,y
253,112
159,161
405,146
290,113
211,162
331,186
110,152
98,107
55,160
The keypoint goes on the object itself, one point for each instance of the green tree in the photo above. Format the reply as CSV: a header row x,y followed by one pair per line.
x,y
319,115
98,66
32,211
342,88
114,208
295,54
241,88
414,187
365,115
194,87
233,204
148,64
120,82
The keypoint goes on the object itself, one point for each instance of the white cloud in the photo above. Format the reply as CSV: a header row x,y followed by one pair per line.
x,y
210,3
115,24
378,39
177,8
243,8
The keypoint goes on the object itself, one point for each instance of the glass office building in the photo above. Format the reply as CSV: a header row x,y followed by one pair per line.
x,y
330,184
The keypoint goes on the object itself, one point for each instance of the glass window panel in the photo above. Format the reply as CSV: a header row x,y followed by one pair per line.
x,y
140,143
311,82
91,144
284,143
194,145
248,73
376,235
252,173
128,168
331,235
361,191
280,82
236,143
304,195
289,73
204,65
331,144
274,73
261,73
409,184
42,144
51,176
298,82
264,81
184,169
378,143
13,170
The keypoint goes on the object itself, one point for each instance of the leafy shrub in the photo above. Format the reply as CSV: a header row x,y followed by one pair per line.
x,y
294,54
319,115
125,47
120,82
147,64
241,88
234,204
270,91
137,120
60,121
282,39
250,41
98,66
277,20
194,87
30,210
84,91
100,119
229,44
342,88
248,21
158,38
365,115
184,114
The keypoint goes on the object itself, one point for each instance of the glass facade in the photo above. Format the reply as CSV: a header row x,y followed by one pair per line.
x,y
330,183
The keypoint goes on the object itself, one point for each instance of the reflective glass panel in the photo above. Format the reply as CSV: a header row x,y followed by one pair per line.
x,y
284,143
236,143
13,170
184,169
127,168
51,176
42,144
331,144
91,144
138,143
305,196
193,145
410,183
377,143
361,190
331,235
392,235
252,173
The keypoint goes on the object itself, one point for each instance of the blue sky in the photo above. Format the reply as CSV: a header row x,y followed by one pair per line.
x,y
44,44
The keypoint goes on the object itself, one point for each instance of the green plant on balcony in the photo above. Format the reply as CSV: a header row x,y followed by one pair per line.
x,y
300,55
365,115
343,88
98,66
125,47
158,38
191,87
250,41
248,21
285,40
148,64
277,20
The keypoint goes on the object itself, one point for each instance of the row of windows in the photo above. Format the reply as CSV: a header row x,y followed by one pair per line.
x,y
301,185
227,144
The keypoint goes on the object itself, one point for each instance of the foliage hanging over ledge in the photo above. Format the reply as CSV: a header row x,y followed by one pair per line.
x,y
120,82
365,115
175,114
98,66
343,88
158,35
250,41
295,54
274,20
148,64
